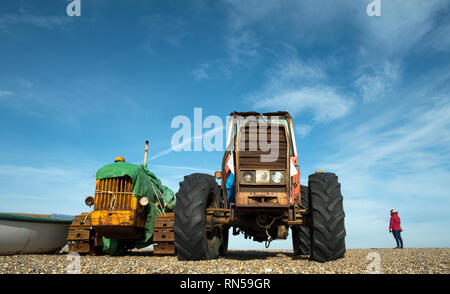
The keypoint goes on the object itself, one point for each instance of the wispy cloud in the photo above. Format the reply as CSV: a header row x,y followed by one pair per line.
x,y
376,83
44,189
302,130
392,139
300,85
27,171
201,72
324,103
188,142
183,168
242,47
215,69
439,38
399,159
4,93
166,28
42,21
403,25
293,69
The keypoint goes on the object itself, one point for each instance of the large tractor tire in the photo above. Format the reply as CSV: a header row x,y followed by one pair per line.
x,y
328,228
194,238
300,234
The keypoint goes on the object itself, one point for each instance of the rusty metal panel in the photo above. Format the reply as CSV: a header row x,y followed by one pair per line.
x,y
78,234
81,221
163,236
163,224
248,159
122,218
164,249
79,247
262,199
114,193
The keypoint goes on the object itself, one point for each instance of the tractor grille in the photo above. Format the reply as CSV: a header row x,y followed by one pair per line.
x,y
250,153
113,194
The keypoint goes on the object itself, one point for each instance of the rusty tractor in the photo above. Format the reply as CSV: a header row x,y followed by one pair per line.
x,y
260,196
128,211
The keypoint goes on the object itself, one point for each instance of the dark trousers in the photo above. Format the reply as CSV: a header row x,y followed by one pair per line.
x,y
398,238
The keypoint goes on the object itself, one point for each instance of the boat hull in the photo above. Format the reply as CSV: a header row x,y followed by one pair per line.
x,y
26,237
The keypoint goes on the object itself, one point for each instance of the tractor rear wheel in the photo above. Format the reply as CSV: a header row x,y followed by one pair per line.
x,y
196,238
328,228
225,236
300,234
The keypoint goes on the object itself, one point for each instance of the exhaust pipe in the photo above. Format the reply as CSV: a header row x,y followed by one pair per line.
x,y
146,153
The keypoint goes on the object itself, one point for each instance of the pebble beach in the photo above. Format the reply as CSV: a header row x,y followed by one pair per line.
x,y
356,261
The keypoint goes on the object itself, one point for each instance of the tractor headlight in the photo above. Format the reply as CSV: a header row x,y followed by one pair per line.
x,y
277,177
89,201
143,201
262,176
247,177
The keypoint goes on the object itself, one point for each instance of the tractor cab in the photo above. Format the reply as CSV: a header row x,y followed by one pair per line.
x,y
262,156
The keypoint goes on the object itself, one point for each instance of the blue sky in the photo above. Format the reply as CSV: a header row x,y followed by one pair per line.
x,y
369,97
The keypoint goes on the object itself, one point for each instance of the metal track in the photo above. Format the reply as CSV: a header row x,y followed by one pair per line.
x,y
163,235
82,238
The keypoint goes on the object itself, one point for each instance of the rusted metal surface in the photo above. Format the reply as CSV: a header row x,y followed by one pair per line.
x,y
270,199
117,213
164,249
113,193
82,238
249,156
163,235
254,113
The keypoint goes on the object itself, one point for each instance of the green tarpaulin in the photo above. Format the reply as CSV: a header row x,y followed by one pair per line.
x,y
145,184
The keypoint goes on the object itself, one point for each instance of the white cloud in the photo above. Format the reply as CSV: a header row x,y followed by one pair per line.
x,y
4,93
185,168
399,159
46,189
440,38
242,46
291,70
299,86
48,21
324,103
418,133
302,130
216,69
377,82
402,27
201,72
27,171
188,142
167,28
403,24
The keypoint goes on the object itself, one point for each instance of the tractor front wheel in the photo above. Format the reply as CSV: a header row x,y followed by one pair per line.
x,y
195,237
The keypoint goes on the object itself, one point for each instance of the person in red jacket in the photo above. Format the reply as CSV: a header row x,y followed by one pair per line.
x,y
394,227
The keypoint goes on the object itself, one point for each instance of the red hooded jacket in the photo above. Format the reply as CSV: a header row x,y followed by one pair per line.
x,y
394,224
